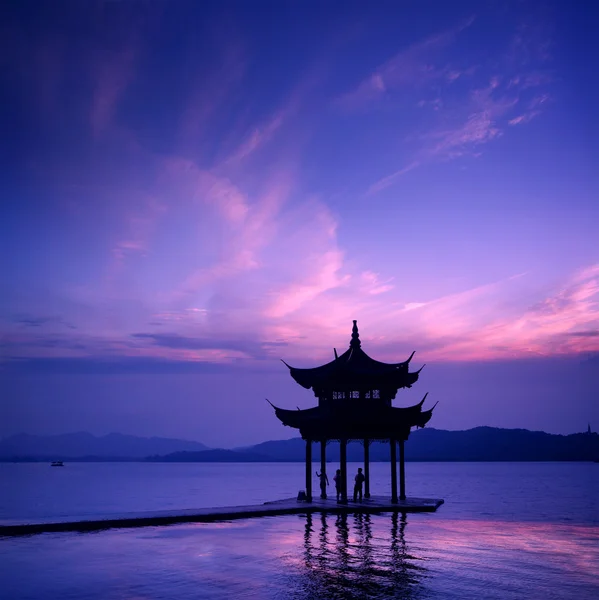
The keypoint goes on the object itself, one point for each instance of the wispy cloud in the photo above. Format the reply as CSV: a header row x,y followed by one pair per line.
x,y
29,321
262,133
524,118
487,116
389,180
480,126
563,322
475,324
229,347
325,276
139,227
373,284
534,109
474,116
410,67
250,221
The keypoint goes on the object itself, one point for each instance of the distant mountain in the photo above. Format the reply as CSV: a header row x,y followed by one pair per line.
x,y
493,444
72,445
216,455
287,450
478,444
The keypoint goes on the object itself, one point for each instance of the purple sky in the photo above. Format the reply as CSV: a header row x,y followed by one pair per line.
x,y
191,192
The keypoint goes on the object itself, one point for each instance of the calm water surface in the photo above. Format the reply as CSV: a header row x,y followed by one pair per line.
x,y
526,530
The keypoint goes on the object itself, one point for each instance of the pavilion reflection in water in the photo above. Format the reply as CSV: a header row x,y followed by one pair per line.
x,y
346,557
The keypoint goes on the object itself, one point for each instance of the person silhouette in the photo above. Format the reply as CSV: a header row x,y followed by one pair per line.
x,y
338,479
358,481
324,481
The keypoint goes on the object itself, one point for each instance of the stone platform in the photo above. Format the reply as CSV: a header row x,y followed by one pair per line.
x,y
290,506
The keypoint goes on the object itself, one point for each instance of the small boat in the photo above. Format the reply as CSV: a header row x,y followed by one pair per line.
x,y
57,463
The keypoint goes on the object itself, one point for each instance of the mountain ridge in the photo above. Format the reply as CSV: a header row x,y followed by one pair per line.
x,y
82,443
482,443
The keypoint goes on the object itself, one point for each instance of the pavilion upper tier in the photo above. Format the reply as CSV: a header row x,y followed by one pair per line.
x,y
354,375
355,394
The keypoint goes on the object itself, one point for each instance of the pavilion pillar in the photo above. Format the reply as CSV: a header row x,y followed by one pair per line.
x,y
309,470
366,468
343,465
402,471
393,447
323,468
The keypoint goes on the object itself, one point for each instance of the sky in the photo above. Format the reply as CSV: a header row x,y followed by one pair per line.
x,y
193,191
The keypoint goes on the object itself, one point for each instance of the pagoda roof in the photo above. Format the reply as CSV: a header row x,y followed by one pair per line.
x,y
355,368
355,419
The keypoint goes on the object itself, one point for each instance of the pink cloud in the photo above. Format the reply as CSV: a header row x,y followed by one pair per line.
x,y
524,118
373,285
204,186
565,322
220,191
140,226
250,220
325,277
470,325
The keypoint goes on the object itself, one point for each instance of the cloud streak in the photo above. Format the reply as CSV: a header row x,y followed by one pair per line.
x,y
409,68
471,117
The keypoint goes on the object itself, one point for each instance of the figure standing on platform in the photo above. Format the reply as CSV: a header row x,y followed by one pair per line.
x,y
359,480
338,479
324,481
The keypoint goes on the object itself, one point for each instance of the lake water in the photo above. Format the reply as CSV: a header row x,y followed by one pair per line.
x,y
506,530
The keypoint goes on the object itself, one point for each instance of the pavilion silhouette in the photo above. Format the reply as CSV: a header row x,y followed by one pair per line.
x,y
355,394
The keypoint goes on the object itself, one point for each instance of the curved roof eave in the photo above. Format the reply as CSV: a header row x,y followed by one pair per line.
x,y
354,359
321,376
414,414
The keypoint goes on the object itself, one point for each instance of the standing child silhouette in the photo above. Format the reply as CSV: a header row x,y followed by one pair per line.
x,y
338,479
324,481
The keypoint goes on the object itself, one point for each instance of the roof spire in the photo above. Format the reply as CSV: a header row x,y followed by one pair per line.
x,y
355,336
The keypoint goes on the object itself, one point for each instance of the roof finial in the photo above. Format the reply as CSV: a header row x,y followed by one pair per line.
x,y
355,336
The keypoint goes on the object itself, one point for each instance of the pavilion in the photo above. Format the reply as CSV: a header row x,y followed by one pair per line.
x,y
355,394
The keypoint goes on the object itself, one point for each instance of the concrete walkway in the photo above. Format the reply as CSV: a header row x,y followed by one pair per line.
x,y
290,506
